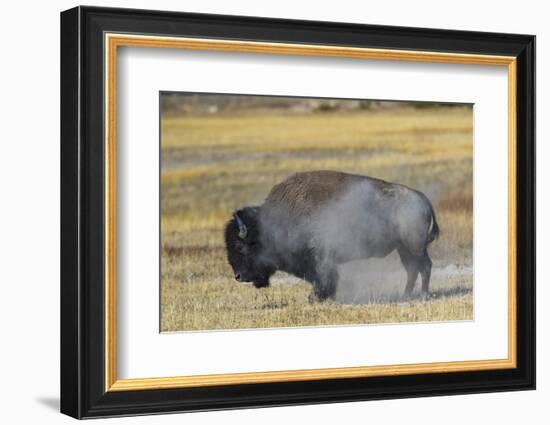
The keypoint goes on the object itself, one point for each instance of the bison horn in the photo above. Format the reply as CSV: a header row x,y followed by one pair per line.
x,y
243,231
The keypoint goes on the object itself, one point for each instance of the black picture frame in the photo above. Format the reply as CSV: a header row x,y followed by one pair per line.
x,y
83,392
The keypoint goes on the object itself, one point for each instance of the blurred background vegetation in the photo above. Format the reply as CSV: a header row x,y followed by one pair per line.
x,y
178,104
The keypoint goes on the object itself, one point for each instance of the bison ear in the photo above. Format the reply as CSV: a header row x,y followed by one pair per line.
x,y
243,231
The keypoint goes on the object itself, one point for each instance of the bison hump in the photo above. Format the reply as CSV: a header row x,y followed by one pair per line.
x,y
302,193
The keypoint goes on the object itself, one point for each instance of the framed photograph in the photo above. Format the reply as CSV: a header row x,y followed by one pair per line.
x,y
260,212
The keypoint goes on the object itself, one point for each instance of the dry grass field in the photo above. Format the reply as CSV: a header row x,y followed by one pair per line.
x,y
212,164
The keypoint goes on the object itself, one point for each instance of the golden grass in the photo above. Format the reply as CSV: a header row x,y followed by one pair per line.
x,y
226,305
270,132
289,165
212,165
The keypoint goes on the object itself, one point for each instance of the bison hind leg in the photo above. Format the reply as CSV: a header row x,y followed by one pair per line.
x,y
415,264
425,273
412,265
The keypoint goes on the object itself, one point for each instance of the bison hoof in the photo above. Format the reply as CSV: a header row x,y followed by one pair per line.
x,y
312,299
316,298
427,296
407,296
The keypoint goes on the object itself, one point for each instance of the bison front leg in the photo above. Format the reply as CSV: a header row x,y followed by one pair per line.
x,y
324,286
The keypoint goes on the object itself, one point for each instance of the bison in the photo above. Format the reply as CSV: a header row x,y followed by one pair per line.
x,y
314,221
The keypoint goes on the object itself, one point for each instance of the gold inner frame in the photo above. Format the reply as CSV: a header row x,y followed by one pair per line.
x,y
113,41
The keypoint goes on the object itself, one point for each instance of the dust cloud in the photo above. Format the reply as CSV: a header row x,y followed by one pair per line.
x,y
349,231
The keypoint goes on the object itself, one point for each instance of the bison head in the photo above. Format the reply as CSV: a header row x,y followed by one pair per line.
x,y
244,248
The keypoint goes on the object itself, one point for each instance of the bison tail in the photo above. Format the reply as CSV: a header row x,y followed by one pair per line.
x,y
434,231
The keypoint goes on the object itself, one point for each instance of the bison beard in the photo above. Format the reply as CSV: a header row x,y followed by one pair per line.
x,y
314,221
